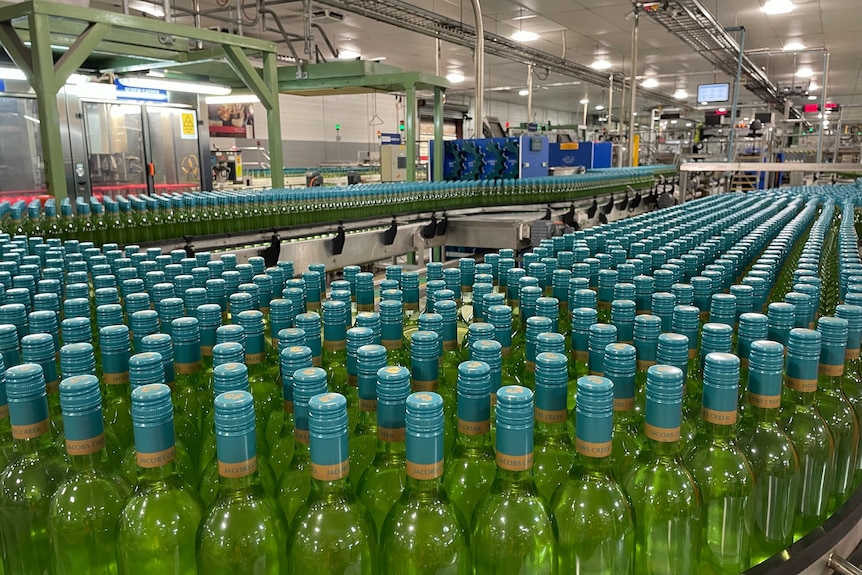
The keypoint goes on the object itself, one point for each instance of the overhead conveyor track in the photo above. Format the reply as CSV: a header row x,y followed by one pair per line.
x,y
410,17
694,24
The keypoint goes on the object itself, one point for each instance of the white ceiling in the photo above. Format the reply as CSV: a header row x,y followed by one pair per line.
x,y
591,27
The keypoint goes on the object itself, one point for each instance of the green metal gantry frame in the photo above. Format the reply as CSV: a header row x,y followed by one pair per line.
x,y
31,32
356,77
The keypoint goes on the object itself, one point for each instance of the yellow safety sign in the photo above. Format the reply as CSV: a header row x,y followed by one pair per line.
x,y
189,126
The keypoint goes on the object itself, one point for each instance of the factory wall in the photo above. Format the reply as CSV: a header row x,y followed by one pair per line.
x,y
308,125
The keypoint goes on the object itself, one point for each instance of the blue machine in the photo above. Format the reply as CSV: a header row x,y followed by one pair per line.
x,y
591,155
494,158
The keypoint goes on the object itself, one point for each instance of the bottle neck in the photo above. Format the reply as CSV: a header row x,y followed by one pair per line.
x,y
231,485
34,445
718,432
515,479
550,430
149,476
593,465
475,441
339,488
763,414
425,489
662,448
391,448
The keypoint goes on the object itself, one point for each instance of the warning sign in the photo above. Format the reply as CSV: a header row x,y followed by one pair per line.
x,y
569,146
189,126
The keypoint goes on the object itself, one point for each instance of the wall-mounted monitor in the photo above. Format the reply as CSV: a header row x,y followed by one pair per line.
x,y
764,117
707,93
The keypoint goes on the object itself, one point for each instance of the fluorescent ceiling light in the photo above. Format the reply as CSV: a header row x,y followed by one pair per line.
x,y
600,107
233,99
524,17
650,83
812,97
455,77
176,86
523,92
673,121
12,74
680,94
585,101
688,124
524,36
601,64
348,55
805,72
793,47
777,7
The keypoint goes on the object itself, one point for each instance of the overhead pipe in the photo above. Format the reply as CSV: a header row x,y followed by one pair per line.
x,y
741,30
479,58
529,93
823,107
285,35
634,87
329,45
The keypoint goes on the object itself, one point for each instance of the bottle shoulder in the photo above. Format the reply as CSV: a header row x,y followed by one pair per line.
x,y
28,477
768,449
163,507
720,467
594,500
662,480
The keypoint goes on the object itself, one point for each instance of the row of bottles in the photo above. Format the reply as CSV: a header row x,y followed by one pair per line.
x,y
150,218
291,418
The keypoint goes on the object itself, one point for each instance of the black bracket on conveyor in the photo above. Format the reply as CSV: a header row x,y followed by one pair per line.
x,y
591,211
389,235
547,215
603,218
443,225
273,251
635,201
189,247
623,204
338,240
606,209
429,230
569,217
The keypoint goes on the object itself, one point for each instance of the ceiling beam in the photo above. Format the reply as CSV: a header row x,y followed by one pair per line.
x,y
409,17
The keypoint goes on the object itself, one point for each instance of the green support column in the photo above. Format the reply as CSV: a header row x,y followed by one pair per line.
x,y
437,176
273,122
410,132
44,84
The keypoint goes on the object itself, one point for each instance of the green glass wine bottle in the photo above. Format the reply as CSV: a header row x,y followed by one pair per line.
x,y
280,435
32,476
191,389
620,366
592,513
356,338
664,495
263,389
424,531
158,525
752,327
770,453
384,480
39,349
425,370
836,409
448,309
392,333
722,472
244,530
230,377
809,432
582,319
370,359
332,531
673,349
295,483
535,325
553,452
500,316
852,380
513,508
85,509
335,345
471,468
6,440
